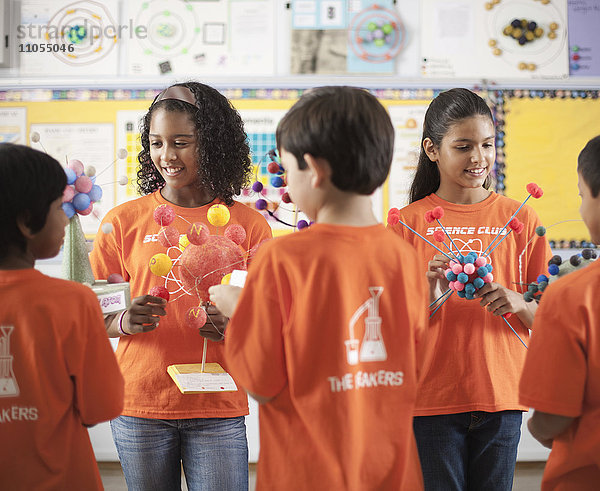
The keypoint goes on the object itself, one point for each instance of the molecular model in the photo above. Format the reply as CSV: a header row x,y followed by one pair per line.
x,y
556,269
197,260
468,273
277,181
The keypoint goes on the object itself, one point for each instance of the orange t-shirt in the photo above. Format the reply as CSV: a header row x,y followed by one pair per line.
x,y
327,324
476,360
144,358
57,373
562,376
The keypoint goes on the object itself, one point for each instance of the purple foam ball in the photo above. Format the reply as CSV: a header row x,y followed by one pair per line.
x,y
261,204
257,187
302,224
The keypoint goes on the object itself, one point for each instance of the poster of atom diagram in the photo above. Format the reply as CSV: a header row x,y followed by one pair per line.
x,y
202,37
62,38
495,39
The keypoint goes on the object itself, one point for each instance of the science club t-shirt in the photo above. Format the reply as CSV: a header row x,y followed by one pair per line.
x,y
149,390
58,373
475,358
562,376
328,324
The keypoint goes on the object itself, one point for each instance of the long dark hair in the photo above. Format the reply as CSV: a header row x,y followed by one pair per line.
x,y
224,163
445,110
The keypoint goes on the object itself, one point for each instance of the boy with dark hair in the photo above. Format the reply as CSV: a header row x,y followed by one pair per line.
x,y
58,373
561,378
325,331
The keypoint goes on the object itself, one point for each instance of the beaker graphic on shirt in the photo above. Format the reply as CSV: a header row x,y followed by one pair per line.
x,y
8,382
373,347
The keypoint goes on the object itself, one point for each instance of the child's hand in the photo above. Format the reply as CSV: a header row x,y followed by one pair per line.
x,y
438,283
500,300
225,297
216,322
144,314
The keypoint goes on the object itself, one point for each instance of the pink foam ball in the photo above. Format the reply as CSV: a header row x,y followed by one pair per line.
x,y
488,278
448,270
452,285
429,216
480,261
457,268
164,215
168,236
68,194
453,262
196,317
115,278
83,184
76,166
160,291
202,266
469,268
198,233
235,233
439,235
437,212
458,286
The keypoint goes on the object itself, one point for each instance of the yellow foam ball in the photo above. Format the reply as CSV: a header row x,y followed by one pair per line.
x,y
226,279
183,242
160,264
218,215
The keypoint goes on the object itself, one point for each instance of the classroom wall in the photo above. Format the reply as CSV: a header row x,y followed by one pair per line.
x,y
86,102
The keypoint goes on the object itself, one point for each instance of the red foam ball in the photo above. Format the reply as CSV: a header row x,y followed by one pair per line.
x,y
168,236
160,291
439,235
115,278
196,317
198,233
520,228
235,233
534,190
437,212
429,216
273,168
393,219
285,197
87,211
202,266
514,223
164,215
394,211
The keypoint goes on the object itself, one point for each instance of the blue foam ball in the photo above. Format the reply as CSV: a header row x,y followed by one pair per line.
x,y
540,230
482,271
543,277
552,269
276,181
469,296
478,282
489,268
81,201
469,288
71,175
95,193
532,288
461,258
69,209
542,285
450,276
528,296
462,277
469,259
461,294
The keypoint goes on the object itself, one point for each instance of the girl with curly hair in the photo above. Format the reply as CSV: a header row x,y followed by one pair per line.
x,y
195,154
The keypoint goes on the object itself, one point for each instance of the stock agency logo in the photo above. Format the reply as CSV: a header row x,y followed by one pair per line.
x,y
78,34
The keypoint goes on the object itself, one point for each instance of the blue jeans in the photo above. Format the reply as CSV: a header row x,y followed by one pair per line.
x,y
474,451
213,451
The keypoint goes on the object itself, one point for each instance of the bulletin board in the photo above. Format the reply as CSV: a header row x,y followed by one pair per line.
x,y
544,133
93,125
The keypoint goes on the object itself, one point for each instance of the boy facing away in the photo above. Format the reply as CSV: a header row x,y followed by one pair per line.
x,y
561,378
325,331
58,372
